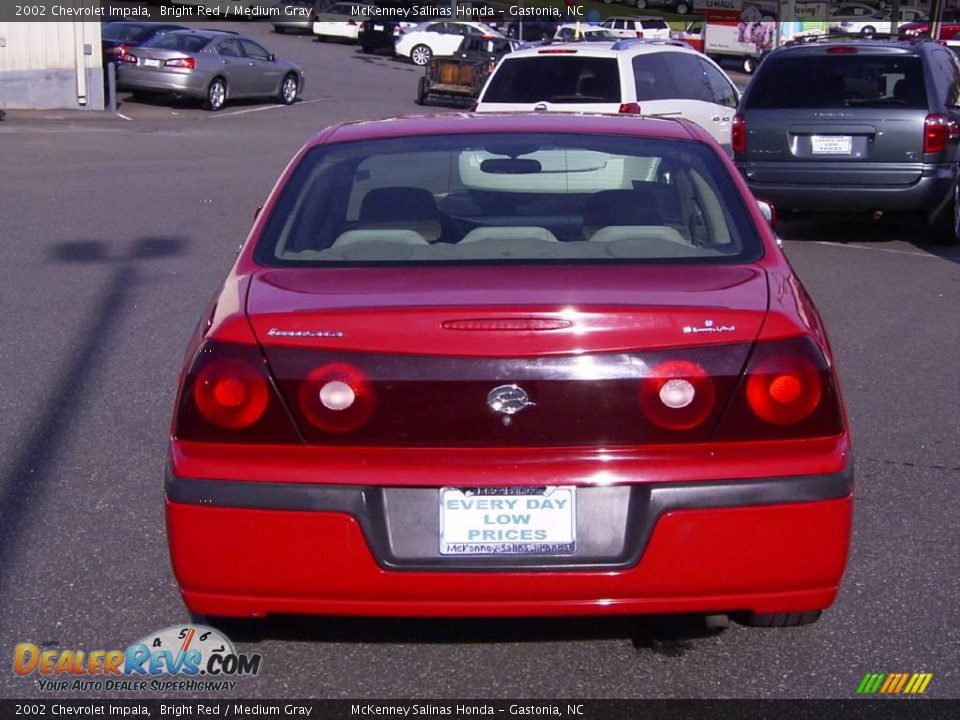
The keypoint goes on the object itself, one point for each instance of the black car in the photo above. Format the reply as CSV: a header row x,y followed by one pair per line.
x,y
117,37
855,125
531,30
680,7
378,35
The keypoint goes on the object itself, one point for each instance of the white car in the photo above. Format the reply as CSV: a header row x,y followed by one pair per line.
x,y
573,32
856,18
641,77
341,21
638,26
422,42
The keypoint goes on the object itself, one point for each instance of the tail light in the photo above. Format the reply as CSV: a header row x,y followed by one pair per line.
x,y
229,396
129,59
677,395
841,50
398,32
629,109
788,390
938,131
351,22
738,134
337,397
187,63
639,33
119,50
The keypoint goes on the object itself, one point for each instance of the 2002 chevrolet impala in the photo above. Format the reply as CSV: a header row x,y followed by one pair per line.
x,y
510,365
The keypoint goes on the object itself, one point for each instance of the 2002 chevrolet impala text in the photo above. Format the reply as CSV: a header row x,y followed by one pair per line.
x,y
510,365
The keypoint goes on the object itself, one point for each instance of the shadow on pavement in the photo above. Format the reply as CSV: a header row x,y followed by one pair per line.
x,y
24,481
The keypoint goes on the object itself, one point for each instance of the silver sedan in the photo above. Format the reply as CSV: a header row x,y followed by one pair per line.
x,y
210,65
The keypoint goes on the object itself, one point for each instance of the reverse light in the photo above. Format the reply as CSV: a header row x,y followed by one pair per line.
x,y
738,134
186,63
629,109
677,395
337,397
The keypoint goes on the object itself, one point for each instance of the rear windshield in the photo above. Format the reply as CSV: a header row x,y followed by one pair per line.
x,y
519,198
119,31
555,78
183,43
653,24
836,81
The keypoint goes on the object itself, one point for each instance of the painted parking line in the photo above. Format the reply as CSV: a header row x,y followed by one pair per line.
x,y
261,109
121,115
917,253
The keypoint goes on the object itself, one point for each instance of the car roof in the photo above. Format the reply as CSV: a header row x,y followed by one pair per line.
x,y
464,123
617,48
878,45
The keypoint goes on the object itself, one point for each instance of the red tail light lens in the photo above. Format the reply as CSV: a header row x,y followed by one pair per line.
x,y
129,59
231,393
677,395
337,397
119,51
629,109
639,33
187,63
788,391
841,50
938,130
228,396
738,134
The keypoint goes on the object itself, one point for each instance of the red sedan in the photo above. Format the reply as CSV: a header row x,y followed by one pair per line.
x,y
535,364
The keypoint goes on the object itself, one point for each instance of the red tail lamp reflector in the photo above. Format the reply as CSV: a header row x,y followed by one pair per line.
x,y
938,130
231,393
677,395
629,109
337,397
187,63
784,389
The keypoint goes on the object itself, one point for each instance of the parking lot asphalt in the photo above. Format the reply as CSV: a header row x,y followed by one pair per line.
x,y
115,232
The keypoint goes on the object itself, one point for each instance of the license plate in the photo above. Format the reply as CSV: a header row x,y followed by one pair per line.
x,y
508,521
831,144
148,62
378,28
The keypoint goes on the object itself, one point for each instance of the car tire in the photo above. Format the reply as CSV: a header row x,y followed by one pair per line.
x,y
216,96
868,31
945,225
749,65
640,4
778,620
420,55
682,9
422,92
288,90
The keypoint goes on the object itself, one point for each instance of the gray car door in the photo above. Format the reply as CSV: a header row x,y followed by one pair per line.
x,y
264,71
232,67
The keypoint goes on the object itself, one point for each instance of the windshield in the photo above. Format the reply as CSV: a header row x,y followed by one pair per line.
x,y
509,198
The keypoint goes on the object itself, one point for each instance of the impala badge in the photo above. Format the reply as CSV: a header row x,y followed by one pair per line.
x,y
508,400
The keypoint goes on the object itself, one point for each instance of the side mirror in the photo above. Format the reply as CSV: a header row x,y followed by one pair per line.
x,y
768,211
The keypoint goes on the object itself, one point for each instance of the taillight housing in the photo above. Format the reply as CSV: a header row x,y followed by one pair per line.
x,y
228,395
677,395
639,33
185,63
738,133
629,109
938,131
129,58
119,51
787,391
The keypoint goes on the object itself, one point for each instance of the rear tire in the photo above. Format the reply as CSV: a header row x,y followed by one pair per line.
x,y
778,620
216,95
945,226
868,31
749,65
420,55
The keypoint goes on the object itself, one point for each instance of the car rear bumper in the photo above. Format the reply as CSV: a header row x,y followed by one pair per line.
x,y
818,189
135,78
767,545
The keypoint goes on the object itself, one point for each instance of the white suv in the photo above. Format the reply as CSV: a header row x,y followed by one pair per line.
x,y
648,77
639,26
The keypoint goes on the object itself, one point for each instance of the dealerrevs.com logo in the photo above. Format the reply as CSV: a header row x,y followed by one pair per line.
x,y
198,657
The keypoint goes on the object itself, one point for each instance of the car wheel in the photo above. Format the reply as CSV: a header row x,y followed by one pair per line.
x,y
749,65
945,227
421,54
682,9
771,620
868,30
641,4
288,90
422,91
216,94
